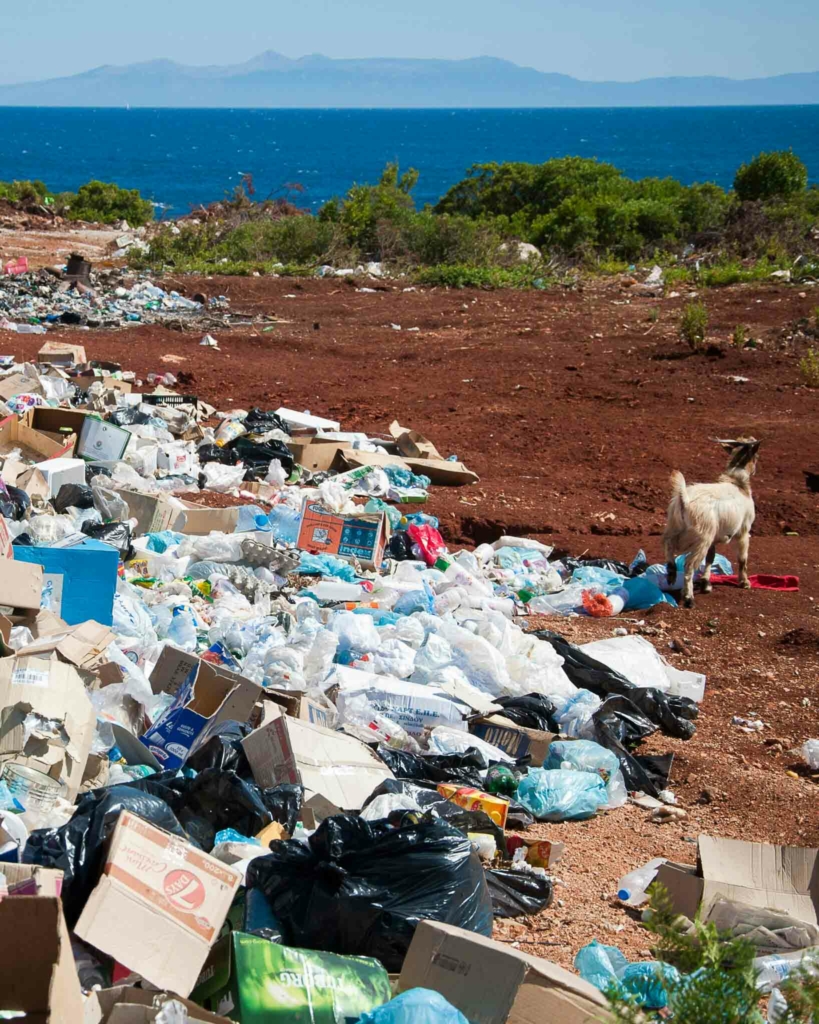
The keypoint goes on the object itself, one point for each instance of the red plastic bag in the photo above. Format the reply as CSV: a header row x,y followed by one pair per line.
x,y
16,267
597,605
429,540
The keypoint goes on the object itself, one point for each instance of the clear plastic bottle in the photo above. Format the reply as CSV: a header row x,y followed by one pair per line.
x,y
284,522
251,517
772,970
631,888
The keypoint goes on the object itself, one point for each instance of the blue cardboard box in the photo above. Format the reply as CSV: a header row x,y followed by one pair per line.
x,y
79,582
205,695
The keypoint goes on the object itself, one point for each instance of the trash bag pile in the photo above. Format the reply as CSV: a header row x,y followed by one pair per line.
x,y
272,734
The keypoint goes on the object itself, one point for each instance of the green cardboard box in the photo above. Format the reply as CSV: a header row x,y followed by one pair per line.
x,y
254,981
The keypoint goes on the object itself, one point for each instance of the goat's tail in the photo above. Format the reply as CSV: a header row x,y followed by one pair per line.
x,y
679,490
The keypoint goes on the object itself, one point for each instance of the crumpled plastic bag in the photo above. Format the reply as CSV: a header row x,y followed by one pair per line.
x,y
415,1006
561,794
362,887
588,756
604,966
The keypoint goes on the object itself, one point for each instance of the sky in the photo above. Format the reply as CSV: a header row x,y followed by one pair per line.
x,y
590,39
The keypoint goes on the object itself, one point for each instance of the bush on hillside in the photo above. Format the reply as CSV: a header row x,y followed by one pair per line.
x,y
107,203
771,176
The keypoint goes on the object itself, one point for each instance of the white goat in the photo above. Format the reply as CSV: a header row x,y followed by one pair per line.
x,y
704,515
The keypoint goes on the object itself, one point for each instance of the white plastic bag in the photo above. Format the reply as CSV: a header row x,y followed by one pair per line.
x,y
223,478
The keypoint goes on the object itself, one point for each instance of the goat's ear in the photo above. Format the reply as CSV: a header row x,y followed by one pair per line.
x,y
729,446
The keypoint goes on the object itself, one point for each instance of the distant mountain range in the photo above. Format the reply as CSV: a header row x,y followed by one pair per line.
x,y
272,80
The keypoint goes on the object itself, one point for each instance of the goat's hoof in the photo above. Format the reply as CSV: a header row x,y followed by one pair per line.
x,y
707,588
745,584
688,602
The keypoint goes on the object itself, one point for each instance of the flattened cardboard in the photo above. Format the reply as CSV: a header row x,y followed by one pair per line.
x,y
440,471
48,988
413,444
754,876
21,584
492,983
5,539
339,767
205,694
55,692
84,646
361,538
16,384
159,904
153,514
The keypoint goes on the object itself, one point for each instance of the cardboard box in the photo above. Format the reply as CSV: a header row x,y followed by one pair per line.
x,y
34,445
102,441
159,904
339,767
751,888
515,740
37,971
260,982
153,513
79,581
492,983
440,471
60,353
474,800
414,707
17,384
541,853
32,880
124,1005
200,521
83,646
317,454
88,377
52,692
363,537
21,584
61,425
205,695
57,472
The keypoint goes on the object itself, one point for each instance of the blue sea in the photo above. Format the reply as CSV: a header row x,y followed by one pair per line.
x,y
179,158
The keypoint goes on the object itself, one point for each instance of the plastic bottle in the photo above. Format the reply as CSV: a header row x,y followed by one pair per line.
x,y
284,522
228,431
419,519
30,329
501,781
182,629
251,517
631,888
773,970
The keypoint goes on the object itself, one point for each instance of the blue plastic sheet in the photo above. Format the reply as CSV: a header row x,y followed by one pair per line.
x,y
604,966
326,565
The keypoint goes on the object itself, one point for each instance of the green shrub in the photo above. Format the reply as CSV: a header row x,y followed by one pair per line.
x,y
809,368
24,191
108,203
463,276
365,207
738,337
771,175
694,324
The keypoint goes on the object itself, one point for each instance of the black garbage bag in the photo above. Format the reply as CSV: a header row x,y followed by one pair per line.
x,y
597,563
129,416
23,540
532,711
73,496
434,768
118,535
619,725
674,715
78,847
216,800
14,502
401,546
259,422
361,887
94,469
257,456
284,803
224,751
258,918
515,893
214,453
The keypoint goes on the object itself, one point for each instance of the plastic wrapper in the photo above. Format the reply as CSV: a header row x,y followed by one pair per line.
x,y
562,795
78,848
516,893
360,887
73,496
415,1006
107,502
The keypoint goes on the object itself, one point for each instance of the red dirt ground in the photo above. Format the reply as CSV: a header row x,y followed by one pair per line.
x,y
574,407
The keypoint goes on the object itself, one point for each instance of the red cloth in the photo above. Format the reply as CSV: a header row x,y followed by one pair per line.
x,y
760,581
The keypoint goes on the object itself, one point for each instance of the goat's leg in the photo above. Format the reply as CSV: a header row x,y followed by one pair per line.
x,y
709,561
692,563
670,563
743,543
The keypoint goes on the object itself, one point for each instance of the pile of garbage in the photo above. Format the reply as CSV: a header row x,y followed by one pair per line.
x,y
265,755
75,295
